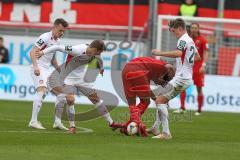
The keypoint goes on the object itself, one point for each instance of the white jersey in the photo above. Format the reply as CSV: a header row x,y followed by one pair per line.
x,y
77,75
184,64
44,41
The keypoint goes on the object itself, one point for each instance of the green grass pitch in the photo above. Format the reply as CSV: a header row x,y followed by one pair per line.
x,y
210,136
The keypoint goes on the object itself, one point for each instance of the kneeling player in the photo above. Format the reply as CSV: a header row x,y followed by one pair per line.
x,y
136,77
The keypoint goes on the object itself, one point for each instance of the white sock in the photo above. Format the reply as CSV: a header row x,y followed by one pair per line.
x,y
163,115
59,106
37,104
157,121
71,115
102,110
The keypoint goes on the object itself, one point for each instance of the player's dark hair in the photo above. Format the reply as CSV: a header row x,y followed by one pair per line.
x,y
176,23
1,38
98,44
61,21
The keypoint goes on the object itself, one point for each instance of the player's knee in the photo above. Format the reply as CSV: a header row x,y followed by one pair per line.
x,y
94,98
61,98
70,99
161,100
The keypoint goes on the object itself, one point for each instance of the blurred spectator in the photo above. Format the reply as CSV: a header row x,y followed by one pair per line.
x,y
188,8
3,52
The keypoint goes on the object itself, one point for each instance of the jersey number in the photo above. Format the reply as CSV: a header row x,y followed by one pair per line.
x,y
191,60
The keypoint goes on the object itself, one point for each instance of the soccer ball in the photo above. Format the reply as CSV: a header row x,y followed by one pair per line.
x,y
132,128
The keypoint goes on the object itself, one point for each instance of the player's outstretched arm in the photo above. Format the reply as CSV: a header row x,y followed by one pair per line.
x,y
73,50
170,54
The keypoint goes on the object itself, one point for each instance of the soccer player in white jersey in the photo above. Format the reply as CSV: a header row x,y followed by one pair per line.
x,y
40,69
76,78
185,55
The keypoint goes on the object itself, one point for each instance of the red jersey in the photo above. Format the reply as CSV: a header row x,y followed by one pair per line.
x,y
156,68
201,45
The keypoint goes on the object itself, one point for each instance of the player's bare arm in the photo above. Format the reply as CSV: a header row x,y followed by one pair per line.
x,y
33,57
55,64
205,59
170,54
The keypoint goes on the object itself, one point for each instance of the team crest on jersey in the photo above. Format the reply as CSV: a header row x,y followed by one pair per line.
x,y
68,48
40,42
181,45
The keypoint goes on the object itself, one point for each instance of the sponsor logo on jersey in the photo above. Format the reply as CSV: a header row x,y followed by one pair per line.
x,y
181,45
40,42
68,48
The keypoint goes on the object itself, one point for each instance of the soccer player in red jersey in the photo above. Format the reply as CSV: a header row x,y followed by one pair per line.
x,y
136,77
198,68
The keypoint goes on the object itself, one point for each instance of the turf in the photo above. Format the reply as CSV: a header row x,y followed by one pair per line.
x,y
210,136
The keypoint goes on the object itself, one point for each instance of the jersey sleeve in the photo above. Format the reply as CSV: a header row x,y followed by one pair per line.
x,y
41,42
181,45
54,48
76,50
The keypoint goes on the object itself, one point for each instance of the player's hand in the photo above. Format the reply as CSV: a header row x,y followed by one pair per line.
x,y
39,54
156,52
58,69
36,71
101,72
202,69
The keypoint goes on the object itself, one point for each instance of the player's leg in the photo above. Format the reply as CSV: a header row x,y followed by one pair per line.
x,y
40,83
200,100
198,79
101,107
59,106
71,112
182,102
175,86
161,102
37,104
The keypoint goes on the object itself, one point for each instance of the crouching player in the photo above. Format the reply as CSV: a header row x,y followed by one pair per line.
x,y
136,77
75,80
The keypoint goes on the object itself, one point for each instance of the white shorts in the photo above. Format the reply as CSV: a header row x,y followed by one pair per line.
x,y
41,80
176,86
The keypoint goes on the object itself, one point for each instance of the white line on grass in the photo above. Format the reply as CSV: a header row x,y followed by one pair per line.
x,y
80,129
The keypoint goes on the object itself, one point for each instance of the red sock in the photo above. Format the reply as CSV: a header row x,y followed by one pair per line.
x,y
200,102
182,99
142,106
135,114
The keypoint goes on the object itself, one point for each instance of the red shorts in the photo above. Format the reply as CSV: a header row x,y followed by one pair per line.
x,y
198,79
135,81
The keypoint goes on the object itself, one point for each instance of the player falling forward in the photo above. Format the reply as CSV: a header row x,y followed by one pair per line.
x,y
185,55
40,69
136,77
75,80
198,68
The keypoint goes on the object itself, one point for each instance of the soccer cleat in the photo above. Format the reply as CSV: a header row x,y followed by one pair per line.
x,y
153,130
116,125
72,130
163,136
179,111
59,125
36,125
197,113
